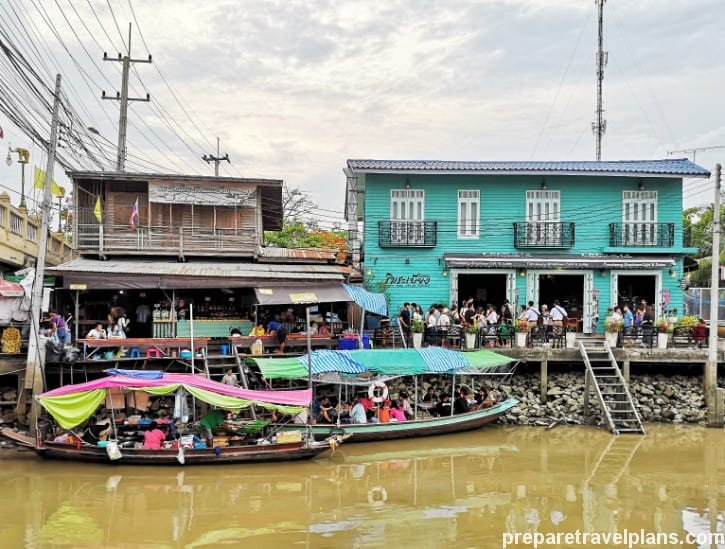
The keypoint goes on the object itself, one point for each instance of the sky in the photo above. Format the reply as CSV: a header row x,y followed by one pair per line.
x,y
294,89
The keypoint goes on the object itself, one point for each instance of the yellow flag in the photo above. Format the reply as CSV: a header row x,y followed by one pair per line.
x,y
39,177
98,210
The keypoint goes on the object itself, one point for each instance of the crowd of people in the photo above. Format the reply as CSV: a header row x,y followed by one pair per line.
x,y
439,321
366,409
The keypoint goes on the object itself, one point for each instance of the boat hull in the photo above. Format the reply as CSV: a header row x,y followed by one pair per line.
x,y
293,451
370,432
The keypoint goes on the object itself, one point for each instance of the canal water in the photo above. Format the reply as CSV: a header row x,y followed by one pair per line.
x,y
465,490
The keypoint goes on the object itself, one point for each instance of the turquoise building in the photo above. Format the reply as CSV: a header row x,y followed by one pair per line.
x,y
590,234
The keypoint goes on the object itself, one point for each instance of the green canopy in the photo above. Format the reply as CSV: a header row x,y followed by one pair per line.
x,y
483,360
280,368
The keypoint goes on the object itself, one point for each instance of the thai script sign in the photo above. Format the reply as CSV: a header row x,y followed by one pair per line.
x,y
200,194
417,280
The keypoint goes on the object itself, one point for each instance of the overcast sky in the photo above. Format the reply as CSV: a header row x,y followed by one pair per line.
x,y
293,89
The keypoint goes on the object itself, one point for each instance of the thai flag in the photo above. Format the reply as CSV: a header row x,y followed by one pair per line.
x,y
134,215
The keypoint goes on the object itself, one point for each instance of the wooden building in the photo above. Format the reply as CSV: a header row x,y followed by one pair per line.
x,y
173,215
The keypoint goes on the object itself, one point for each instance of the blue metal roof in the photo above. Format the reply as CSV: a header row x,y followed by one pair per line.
x,y
653,168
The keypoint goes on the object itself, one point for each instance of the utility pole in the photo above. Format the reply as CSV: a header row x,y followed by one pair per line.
x,y
124,99
34,375
216,159
694,151
713,396
600,125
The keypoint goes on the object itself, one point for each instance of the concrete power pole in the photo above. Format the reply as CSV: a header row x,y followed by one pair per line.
x,y
34,375
712,394
216,159
124,99
600,125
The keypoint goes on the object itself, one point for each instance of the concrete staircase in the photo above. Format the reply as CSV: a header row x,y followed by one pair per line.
x,y
604,378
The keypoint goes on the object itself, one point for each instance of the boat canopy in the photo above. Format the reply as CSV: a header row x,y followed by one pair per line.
x,y
387,362
71,405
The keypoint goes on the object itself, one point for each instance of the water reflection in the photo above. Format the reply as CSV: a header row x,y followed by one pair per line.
x,y
460,490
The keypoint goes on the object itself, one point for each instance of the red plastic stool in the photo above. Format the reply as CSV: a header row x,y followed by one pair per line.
x,y
155,353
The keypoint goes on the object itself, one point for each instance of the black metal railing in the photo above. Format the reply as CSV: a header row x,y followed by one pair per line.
x,y
686,237
642,234
407,234
544,234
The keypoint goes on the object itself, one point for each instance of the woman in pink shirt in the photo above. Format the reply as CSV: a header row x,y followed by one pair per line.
x,y
153,438
396,413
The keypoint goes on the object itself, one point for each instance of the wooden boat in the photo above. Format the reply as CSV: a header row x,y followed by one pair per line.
x,y
369,432
207,456
72,405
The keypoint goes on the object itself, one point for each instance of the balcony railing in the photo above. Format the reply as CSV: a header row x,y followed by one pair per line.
x,y
544,234
642,234
407,234
186,241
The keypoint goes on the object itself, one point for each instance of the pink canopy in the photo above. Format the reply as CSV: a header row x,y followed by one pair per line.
x,y
283,398
10,289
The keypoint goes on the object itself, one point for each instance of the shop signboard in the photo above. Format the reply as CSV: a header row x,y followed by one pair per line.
x,y
176,192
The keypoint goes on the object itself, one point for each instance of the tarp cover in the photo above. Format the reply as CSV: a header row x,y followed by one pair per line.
x,y
389,362
71,405
303,295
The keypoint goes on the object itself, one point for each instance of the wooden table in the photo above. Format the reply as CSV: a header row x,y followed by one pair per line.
x,y
164,345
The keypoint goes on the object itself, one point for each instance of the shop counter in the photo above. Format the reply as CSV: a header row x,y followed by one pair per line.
x,y
213,328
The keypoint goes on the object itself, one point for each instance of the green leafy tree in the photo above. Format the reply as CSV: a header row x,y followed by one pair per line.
x,y
698,221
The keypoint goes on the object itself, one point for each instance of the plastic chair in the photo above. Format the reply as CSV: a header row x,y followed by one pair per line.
x,y
135,352
152,352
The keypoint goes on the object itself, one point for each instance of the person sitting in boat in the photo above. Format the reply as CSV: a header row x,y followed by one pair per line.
x,y
358,414
461,405
327,412
97,332
430,399
396,413
443,408
312,330
484,398
257,331
323,330
153,438
404,405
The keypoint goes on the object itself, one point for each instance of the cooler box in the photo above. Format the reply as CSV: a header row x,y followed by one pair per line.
x,y
348,343
366,341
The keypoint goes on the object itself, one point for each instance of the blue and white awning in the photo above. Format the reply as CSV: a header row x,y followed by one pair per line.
x,y
371,302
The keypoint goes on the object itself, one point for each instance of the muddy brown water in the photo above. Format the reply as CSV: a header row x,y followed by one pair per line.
x,y
462,490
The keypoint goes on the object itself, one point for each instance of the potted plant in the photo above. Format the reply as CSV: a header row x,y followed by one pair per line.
x,y
417,327
612,327
471,336
664,328
522,332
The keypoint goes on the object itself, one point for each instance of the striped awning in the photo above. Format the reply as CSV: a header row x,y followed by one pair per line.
x,y
386,362
371,302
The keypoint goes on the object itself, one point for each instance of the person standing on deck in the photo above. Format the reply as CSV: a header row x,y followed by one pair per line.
x,y
404,321
230,379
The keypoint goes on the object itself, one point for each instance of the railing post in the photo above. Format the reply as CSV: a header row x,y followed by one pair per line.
x,y
181,243
100,239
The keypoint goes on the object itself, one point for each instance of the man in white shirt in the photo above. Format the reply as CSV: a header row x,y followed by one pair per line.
x,y
532,315
230,379
558,313
97,333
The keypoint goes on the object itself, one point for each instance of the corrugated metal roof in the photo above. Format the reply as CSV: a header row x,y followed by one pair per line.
x,y
131,176
285,254
642,168
200,269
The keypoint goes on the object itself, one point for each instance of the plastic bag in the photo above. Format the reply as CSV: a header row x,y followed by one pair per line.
x,y
257,347
113,450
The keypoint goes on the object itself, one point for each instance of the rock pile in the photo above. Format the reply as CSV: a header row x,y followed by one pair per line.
x,y
659,398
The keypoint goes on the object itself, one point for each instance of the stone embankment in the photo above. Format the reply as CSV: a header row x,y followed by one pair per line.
x,y
659,398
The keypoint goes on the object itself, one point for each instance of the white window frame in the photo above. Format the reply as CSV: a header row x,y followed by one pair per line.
x,y
407,216
469,213
639,218
542,206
